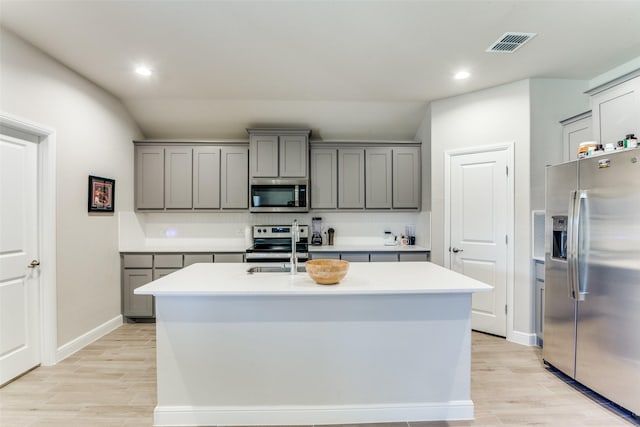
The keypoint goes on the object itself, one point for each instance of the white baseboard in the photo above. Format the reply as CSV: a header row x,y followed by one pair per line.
x,y
83,340
523,338
307,415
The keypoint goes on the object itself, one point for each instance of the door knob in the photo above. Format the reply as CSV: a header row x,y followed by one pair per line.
x,y
456,250
34,263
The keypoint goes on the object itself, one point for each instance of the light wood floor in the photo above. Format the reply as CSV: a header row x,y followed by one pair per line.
x,y
112,383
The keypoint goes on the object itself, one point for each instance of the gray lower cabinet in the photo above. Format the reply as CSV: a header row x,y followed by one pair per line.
x,y
136,305
415,256
229,257
384,257
373,256
141,268
351,178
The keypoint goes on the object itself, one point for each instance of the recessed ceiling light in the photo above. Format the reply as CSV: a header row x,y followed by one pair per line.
x,y
461,75
143,71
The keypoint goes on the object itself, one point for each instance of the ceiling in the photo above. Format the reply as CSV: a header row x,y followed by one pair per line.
x,y
345,69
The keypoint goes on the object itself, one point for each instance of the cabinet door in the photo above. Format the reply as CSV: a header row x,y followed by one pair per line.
x,y
384,257
196,258
378,178
355,256
293,156
414,256
136,305
161,272
206,177
264,156
149,177
573,134
616,112
229,257
234,178
406,177
324,178
178,184
351,178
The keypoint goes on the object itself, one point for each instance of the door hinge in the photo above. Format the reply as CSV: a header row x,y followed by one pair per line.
x,y
506,170
506,239
505,309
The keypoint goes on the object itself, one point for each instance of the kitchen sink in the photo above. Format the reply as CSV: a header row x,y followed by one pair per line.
x,y
275,269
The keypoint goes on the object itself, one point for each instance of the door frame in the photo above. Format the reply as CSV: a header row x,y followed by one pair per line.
x,y
47,229
448,157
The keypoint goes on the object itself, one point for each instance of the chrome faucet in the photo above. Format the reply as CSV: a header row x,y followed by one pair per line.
x,y
295,238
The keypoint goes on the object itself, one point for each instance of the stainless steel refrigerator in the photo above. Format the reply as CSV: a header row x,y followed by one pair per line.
x,y
592,274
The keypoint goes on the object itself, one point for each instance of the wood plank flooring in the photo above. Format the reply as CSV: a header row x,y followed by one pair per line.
x,y
112,382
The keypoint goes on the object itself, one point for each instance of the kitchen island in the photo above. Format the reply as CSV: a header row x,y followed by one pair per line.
x,y
389,343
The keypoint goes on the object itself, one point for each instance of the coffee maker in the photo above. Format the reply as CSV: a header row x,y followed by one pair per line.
x,y
316,231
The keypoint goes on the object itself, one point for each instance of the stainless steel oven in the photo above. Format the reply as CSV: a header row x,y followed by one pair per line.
x,y
279,195
272,243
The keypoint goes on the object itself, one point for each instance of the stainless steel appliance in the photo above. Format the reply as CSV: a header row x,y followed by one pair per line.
x,y
316,231
279,195
592,274
272,243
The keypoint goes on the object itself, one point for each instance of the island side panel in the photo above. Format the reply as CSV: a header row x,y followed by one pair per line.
x,y
313,359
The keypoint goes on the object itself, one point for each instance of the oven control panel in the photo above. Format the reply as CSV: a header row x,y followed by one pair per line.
x,y
278,231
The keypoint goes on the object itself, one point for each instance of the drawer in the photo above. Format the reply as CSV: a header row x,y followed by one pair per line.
x,y
195,258
355,256
324,255
161,272
228,257
138,261
540,271
414,256
384,257
168,261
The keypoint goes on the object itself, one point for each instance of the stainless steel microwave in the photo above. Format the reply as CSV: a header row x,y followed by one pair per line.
x,y
279,195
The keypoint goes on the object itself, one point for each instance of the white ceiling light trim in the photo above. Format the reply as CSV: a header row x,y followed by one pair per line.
x,y
510,42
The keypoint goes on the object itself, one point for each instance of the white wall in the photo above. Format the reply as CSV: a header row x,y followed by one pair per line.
x,y
487,117
551,100
93,136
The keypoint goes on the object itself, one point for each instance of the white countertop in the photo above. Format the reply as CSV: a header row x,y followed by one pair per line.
x,y
362,278
367,248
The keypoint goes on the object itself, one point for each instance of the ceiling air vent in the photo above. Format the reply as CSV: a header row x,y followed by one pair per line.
x,y
510,42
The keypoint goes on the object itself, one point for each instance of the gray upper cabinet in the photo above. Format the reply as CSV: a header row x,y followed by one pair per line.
x,y
351,178
191,177
406,178
293,156
324,178
178,175
206,177
279,153
378,178
234,185
264,156
616,110
149,177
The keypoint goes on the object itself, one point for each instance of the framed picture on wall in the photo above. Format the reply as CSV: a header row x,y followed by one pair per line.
x,y
101,194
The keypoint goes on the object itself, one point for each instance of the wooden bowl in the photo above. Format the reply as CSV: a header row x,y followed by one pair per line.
x,y
327,271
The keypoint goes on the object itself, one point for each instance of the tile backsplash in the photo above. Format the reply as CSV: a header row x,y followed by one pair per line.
x,y
350,227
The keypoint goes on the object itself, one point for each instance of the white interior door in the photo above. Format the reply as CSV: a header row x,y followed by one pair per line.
x,y
478,233
19,283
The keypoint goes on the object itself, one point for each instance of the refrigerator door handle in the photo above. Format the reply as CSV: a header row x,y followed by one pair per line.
x,y
579,280
572,231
